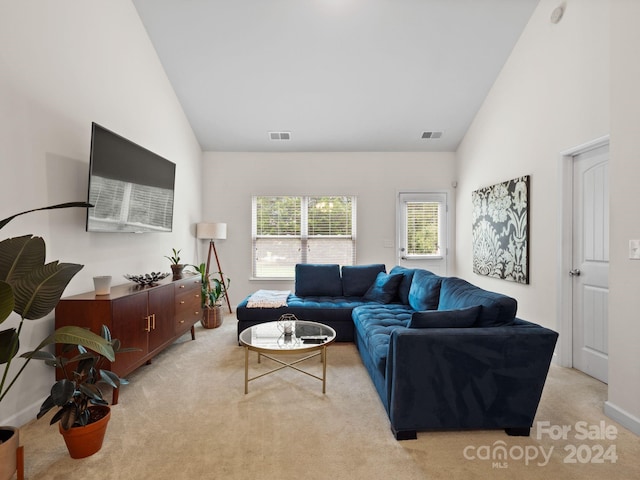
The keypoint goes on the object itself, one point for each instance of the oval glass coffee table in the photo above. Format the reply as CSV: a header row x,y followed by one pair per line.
x,y
287,337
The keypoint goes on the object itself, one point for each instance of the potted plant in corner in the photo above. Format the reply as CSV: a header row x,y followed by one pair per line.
x,y
31,289
83,413
176,266
213,292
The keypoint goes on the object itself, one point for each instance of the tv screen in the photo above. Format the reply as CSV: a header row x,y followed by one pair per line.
x,y
130,187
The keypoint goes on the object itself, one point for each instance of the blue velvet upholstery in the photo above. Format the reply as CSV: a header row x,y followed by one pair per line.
x,y
488,375
497,309
356,279
424,293
332,311
375,323
318,280
405,283
467,378
460,318
384,289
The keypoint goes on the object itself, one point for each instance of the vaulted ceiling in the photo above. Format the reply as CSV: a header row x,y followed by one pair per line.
x,y
336,75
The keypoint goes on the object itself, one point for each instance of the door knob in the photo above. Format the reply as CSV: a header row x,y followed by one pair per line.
x,y
575,272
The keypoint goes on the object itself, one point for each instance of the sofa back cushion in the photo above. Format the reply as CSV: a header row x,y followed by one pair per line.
x,y
460,318
384,289
356,279
424,293
405,283
322,280
497,309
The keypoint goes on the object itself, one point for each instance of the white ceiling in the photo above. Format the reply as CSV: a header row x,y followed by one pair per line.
x,y
340,75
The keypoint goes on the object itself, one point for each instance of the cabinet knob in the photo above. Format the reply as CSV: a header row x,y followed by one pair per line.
x,y
196,313
181,286
181,321
197,295
182,302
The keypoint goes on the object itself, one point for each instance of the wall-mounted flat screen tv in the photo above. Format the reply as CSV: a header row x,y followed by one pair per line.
x,y
130,187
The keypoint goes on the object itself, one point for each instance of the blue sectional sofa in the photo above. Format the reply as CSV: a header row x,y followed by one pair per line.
x,y
443,354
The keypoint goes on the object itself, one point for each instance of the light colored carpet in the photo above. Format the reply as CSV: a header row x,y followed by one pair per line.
x,y
186,417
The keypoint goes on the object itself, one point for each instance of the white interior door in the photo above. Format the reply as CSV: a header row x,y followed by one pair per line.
x,y
590,270
422,231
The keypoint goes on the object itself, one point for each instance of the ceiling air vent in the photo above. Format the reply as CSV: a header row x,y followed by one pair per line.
x,y
431,135
280,135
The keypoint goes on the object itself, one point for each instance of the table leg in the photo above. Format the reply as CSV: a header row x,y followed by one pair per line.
x,y
246,370
323,357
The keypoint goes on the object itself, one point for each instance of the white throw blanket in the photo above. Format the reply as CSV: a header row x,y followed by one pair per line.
x,y
268,299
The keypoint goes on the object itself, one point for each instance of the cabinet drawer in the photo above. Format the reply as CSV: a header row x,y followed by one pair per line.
x,y
188,308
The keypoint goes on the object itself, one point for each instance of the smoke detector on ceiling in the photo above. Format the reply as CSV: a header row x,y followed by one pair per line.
x,y
431,135
280,135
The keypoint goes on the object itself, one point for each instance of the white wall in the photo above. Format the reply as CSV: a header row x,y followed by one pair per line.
x,y
65,64
374,178
624,301
552,94
558,91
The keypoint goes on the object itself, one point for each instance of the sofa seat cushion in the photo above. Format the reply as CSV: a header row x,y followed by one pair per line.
x,y
374,324
497,309
314,308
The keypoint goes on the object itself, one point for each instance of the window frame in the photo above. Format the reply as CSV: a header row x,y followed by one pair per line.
x,y
304,238
443,229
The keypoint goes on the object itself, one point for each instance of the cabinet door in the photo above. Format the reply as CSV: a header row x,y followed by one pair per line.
x,y
128,325
161,309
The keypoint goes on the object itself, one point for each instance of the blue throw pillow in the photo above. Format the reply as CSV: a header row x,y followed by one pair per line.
x,y
405,283
424,293
384,289
321,280
461,318
356,279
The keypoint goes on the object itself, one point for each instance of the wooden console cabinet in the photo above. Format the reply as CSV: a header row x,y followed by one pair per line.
x,y
147,318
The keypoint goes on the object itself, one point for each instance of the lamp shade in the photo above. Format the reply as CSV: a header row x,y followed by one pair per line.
x,y
215,231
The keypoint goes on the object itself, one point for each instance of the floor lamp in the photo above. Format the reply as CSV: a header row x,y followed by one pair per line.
x,y
211,232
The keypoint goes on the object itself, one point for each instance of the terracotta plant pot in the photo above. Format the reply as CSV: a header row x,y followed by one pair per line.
x,y
85,441
212,317
9,436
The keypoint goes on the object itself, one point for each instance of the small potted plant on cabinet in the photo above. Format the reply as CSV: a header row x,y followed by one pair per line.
x,y
213,292
176,266
83,413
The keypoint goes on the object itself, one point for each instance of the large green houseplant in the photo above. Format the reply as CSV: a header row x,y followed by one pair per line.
x,y
32,288
213,292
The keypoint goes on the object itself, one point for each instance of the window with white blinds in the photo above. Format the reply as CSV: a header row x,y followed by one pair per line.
x,y
301,229
423,228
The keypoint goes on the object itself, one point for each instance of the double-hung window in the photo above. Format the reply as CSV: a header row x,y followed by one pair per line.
x,y
301,229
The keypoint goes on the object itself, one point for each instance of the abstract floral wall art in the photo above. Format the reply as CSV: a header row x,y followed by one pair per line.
x,y
501,230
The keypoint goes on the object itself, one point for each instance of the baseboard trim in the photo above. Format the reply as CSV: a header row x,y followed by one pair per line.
x,y
25,415
622,417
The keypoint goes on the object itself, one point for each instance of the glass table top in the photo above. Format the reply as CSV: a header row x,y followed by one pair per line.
x,y
275,336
